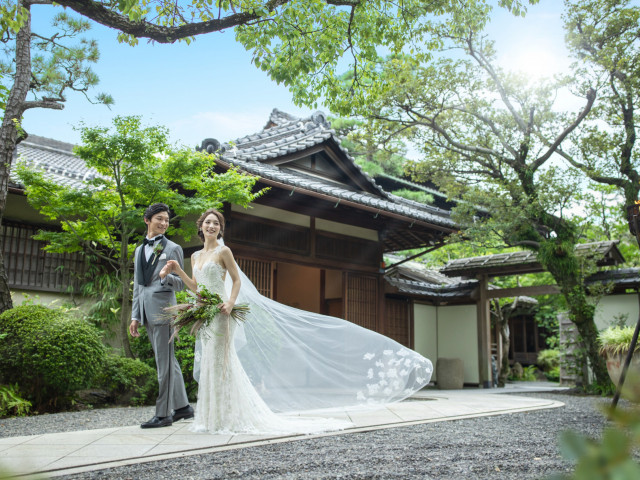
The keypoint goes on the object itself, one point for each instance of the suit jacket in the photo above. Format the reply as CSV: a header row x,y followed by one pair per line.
x,y
150,296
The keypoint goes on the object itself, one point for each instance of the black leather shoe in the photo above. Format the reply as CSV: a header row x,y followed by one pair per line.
x,y
183,413
156,422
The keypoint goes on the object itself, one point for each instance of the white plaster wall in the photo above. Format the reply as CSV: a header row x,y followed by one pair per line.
x,y
349,230
425,331
271,213
458,338
612,306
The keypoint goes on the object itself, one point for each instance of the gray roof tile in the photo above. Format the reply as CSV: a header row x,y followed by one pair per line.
x,y
287,177
526,257
286,134
55,159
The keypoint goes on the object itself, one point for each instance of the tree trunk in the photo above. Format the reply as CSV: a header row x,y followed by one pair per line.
x,y
11,134
582,315
589,334
125,304
502,321
504,366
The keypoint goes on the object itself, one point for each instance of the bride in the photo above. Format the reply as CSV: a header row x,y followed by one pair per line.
x,y
282,359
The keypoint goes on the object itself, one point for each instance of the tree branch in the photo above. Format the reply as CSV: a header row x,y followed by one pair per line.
x,y
166,34
591,97
487,121
44,103
486,65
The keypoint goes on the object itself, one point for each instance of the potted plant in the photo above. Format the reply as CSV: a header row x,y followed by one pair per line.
x,y
615,343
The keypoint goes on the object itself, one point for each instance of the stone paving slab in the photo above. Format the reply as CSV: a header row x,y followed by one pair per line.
x,y
57,454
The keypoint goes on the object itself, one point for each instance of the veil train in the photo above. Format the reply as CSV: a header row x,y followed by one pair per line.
x,y
299,360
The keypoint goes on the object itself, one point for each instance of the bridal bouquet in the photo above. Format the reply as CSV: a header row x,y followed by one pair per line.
x,y
202,307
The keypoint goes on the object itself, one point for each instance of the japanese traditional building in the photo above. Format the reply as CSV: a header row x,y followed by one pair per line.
x,y
316,239
28,267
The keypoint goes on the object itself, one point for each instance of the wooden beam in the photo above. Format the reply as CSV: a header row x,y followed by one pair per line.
x,y
524,291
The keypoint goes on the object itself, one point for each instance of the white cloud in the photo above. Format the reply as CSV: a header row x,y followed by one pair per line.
x,y
223,126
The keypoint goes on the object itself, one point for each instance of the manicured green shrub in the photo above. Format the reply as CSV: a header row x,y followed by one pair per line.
x,y
549,363
11,403
128,381
49,353
184,349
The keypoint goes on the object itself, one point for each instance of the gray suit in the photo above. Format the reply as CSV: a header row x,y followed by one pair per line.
x,y
150,297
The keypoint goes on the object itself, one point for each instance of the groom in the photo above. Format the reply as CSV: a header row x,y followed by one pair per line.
x,y
151,294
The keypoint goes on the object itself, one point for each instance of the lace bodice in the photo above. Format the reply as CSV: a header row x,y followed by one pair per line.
x,y
212,274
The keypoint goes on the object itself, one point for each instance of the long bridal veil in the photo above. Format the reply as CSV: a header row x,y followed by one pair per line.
x,y
299,360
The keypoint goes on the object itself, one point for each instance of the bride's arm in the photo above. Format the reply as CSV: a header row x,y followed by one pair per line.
x,y
232,270
174,267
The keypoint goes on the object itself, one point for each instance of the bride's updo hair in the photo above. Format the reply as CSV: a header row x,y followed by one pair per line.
x,y
200,221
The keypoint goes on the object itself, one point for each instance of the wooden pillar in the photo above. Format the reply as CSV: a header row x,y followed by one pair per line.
x,y
381,321
484,334
312,237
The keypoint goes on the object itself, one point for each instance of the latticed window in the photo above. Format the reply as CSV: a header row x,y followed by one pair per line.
x,y
362,300
29,267
260,273
398,324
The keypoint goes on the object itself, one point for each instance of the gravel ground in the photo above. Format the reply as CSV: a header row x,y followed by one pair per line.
x,y
514,446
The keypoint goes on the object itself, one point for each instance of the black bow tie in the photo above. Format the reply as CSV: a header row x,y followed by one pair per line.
x,y
150,242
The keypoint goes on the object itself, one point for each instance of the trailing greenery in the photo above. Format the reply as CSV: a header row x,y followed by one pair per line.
x,y
616,340
49,353
129,381
11,403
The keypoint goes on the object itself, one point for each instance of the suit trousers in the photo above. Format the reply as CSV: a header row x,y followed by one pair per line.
x,y
172,394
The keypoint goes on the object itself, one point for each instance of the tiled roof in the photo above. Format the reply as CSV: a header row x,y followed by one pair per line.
x,y
414,278
286,135
623,277
432,290
295,179
55,159
607,252
416,271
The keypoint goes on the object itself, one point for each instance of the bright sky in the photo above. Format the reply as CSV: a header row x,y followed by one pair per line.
x,y
211,89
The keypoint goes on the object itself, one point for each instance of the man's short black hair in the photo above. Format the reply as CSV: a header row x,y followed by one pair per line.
x,y
156,208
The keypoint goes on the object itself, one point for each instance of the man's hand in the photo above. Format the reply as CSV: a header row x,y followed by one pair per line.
x,y
170,267
133,328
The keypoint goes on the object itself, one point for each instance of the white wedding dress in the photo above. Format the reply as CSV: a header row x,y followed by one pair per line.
x,y
227,401
282,359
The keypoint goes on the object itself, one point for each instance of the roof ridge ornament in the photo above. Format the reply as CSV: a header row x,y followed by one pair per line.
x,y
320,118
209,145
